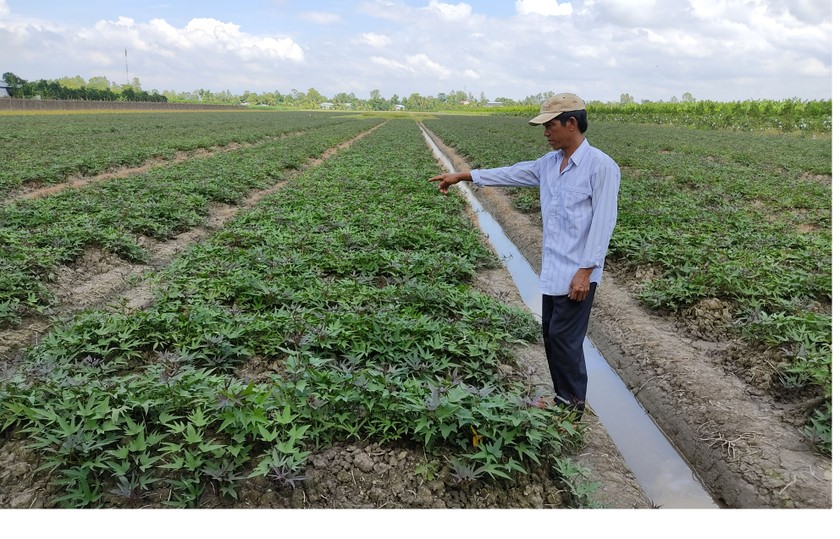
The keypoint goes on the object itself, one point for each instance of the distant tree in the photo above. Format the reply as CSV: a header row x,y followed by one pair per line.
x,y
343,99
456,97
13,80
295,97
98,83
537,99
417,102
313,98
17,85
626,99
376,102
688,98
73,83
128,94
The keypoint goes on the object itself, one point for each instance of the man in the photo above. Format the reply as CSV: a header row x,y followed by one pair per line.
x,y
579,200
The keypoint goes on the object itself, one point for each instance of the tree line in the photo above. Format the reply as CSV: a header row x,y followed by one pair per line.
x,y
101,89
787,115
96,89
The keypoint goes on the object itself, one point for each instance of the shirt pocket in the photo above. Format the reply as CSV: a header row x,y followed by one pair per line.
x,y
573,204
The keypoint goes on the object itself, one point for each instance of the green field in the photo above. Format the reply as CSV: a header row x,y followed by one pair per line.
x,y
348,290
744,218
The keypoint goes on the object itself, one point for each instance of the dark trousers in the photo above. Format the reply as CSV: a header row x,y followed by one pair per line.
x,y
564,325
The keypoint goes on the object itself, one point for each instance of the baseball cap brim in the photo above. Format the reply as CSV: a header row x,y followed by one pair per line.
x,y
543,118
556,105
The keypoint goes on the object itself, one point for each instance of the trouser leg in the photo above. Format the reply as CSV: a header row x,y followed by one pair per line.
x,y
564,328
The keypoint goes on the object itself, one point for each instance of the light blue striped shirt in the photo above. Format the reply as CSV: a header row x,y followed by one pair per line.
x,y
579,210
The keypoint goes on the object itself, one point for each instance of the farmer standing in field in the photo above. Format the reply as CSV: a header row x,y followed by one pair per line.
x,y
579,201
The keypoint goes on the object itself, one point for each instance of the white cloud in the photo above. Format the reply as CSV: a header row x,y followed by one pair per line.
x,y
550,8
169,34
319,17
390,64
814,68
640,13
204,37
450,12
415,64
809,11
386,9
677,43
424,64
652,49
374,40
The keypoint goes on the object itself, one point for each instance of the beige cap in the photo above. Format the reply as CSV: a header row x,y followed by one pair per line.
x,y
556,105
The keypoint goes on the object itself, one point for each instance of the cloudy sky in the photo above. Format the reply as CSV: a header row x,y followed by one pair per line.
x,y
724,50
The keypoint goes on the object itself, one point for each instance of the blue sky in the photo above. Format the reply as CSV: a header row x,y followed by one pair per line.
x,y
723,50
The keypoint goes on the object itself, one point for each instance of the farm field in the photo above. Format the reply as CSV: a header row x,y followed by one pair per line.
x,y
332,322
738,221
322,317
42,234
67,145
735,368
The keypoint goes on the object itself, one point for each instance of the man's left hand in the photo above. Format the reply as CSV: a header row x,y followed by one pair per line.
x,y
579,288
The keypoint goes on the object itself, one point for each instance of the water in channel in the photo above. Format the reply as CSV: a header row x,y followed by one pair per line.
x,y
667,480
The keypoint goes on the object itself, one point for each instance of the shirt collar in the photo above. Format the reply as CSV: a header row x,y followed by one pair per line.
x,y
578,154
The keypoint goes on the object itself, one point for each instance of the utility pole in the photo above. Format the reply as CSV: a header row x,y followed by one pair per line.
x,y
127,81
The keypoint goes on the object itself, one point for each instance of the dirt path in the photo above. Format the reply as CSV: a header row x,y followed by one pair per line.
x,y
736,436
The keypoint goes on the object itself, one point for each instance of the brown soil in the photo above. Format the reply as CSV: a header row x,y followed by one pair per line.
x,y
735,434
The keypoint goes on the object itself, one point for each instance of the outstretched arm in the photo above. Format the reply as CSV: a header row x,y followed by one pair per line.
x,y
450,179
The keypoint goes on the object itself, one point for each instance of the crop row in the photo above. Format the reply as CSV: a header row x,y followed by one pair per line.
x,y
50,148
742,217
39,235
789,115
346,297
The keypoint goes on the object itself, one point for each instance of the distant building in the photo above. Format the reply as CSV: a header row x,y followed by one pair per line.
x,y
327,105
4,89
399,107
493,104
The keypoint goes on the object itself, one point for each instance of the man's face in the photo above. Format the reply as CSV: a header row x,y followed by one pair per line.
x,y
558,135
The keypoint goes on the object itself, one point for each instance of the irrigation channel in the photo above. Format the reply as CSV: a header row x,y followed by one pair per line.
x,y
662,472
